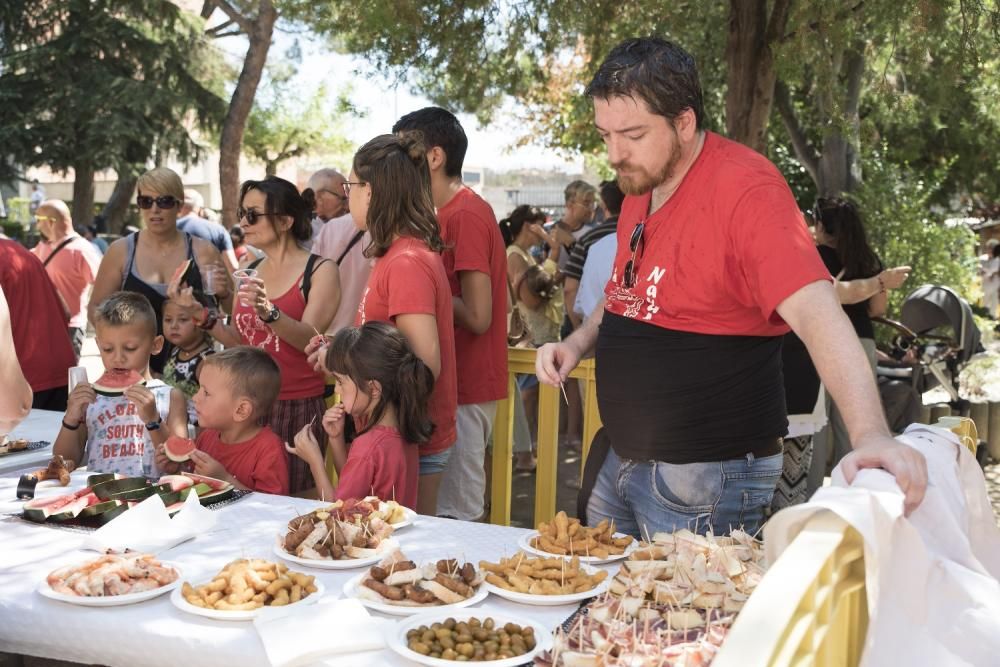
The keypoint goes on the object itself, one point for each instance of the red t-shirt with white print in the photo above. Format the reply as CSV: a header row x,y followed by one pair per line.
x,y
410,279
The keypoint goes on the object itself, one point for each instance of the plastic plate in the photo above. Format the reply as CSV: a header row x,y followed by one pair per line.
x,y
525,543
112,600
351,590
178,600
345,564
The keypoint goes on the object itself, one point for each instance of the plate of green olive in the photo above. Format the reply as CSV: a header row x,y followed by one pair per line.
x,y
491,640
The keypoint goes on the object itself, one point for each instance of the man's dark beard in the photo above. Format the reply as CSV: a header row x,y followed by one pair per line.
x,y
640,185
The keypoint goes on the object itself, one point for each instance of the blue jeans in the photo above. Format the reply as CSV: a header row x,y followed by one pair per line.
x,y
644,497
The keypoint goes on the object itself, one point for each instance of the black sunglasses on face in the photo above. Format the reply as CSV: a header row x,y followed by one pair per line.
x,y
163,201
252,216
631,270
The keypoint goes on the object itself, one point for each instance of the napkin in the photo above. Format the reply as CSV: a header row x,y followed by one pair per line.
x,y
302,634
148,528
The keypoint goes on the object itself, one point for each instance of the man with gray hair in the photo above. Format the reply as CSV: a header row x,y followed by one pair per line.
x,y
190,220
336,237
331,200
70,261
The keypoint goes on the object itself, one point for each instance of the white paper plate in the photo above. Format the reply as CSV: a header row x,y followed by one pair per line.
x,y
178,600
551,600
112,600
346,564
525,543
351,591
396,638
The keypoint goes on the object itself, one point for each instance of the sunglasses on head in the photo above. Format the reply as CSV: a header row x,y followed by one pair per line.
x,y
163,201
252,216
631,268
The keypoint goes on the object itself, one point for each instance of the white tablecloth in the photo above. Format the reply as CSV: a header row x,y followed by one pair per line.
x,y
156,633
38,425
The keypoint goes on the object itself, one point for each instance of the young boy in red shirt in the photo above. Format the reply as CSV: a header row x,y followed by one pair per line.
x,y
238,386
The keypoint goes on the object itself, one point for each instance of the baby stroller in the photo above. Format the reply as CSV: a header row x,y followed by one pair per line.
x,y
936,337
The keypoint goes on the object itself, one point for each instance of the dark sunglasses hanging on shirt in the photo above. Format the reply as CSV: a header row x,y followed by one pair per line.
x,y
163,201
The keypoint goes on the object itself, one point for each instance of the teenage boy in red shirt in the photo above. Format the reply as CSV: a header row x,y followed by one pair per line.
x,y
238,386
476,265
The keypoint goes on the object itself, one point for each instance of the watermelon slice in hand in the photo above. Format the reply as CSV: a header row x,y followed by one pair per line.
x,y
178,449
115,381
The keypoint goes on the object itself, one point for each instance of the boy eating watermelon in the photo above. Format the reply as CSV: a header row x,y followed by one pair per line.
x,y
117,423
238,386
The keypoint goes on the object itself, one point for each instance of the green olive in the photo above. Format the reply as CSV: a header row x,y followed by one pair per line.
x,y
420,647
463,638
441,633
489,623
447,643
449,623
427,636
475,622
449,654
435,654
512,628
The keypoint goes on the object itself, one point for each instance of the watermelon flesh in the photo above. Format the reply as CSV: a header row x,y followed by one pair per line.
x,y
59,507
214,484
116,380
178,449
177,482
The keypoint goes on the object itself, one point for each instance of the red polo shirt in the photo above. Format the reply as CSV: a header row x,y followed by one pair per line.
x,y
473,243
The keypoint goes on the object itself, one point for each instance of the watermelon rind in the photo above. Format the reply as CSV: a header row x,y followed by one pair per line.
x,y
100,508
217,496
202,489
170,497
141,493
40,509
73,510
101,477
109,489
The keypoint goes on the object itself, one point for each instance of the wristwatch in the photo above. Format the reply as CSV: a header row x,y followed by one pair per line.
x,y
154,426
272,315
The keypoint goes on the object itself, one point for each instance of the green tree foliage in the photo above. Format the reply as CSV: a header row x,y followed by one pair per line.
x,y
94,84
895,201
281,126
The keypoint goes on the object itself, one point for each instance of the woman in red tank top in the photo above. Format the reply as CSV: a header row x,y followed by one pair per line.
x,y
293,294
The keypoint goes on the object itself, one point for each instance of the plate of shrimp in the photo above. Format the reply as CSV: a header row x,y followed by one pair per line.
x,y
111,580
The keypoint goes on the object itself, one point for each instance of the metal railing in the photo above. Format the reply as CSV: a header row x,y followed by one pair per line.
x,y
522,361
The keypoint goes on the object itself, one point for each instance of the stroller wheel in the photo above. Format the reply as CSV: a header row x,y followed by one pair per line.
x,y
981,454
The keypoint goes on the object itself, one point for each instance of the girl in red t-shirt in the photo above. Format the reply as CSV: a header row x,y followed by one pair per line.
x,y
385,387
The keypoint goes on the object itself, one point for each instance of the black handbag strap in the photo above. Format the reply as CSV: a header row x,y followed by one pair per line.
x,y
59,247
353,242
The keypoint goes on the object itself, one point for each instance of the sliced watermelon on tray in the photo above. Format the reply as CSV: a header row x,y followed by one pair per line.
x,y
214,484
66,506
112,488
115,381
177,482
178,449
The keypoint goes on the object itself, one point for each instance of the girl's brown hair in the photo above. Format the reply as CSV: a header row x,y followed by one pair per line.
x,y
395,167
378,351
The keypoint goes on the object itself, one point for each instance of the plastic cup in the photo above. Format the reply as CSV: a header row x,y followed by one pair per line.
x,y
241,276
77,374
209,280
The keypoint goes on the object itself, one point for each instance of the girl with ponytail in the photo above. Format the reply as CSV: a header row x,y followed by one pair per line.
x,y
389,191
384,387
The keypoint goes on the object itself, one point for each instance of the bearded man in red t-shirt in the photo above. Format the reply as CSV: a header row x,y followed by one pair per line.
x,y
713,267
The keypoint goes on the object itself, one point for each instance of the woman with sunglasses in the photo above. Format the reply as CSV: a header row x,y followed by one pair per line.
x,y
390,196
146,260
293,295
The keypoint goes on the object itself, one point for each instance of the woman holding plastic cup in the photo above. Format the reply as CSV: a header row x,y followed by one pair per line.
x,y
281,301
145,261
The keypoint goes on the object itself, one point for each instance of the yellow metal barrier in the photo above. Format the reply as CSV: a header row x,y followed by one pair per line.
x,y
810,609
522,361
964,428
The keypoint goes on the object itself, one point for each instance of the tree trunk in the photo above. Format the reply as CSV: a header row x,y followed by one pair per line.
x,y
114,211
83,193
750,69
839,163
235,122
271,167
